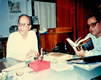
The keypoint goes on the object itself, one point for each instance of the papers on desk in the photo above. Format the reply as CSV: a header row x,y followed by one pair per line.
x,y
61,66
89,66
2,66
27,75
88,63
19,65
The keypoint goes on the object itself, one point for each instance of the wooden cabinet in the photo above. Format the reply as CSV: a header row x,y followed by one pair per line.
x,y
51,41
48,41
3,41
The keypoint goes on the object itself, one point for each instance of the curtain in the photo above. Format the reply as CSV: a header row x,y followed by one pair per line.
x,y
46,13
66,14
82,11
73,13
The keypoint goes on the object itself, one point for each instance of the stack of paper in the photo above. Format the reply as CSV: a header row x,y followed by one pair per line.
x,y
58,56
20,65
88,66
61,66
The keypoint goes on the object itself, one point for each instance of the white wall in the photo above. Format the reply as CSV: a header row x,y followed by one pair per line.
x,y
5,23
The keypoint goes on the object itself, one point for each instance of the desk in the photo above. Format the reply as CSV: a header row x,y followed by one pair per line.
x,y
75,74
54,36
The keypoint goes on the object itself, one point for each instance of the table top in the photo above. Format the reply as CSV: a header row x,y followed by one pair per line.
x,y
50,74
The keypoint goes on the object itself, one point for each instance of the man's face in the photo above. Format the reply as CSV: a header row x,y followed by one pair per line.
x,y
23,25
95,27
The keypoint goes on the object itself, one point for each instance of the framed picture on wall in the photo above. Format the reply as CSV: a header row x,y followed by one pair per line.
x,y
35,20
14,9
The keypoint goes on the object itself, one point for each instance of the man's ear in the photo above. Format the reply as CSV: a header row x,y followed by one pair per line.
x,y
30,27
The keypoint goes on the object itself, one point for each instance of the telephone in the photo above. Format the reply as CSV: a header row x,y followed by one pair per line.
x,y
60,47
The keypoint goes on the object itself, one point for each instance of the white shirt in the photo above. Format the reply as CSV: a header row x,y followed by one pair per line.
x,y
17,47
97,46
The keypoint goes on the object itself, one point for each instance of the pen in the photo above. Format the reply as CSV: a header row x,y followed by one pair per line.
x,y
38,57
41,50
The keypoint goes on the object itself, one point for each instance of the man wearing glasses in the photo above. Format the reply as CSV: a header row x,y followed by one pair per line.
x,y
22,44
94,27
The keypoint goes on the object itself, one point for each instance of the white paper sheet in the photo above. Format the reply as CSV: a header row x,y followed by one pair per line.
x,y
61,66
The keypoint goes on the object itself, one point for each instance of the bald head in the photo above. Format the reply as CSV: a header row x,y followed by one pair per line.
x,y
25,16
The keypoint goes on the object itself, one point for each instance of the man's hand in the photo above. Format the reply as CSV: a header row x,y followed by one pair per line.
x,y
80,53
31,53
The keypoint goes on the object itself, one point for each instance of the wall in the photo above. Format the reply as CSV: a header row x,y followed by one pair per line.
x,y
5,23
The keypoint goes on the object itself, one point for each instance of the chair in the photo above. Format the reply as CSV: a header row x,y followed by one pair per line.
x,y
3,41
12,29
4,49
37,27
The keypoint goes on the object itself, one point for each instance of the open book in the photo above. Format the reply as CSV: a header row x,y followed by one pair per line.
x,y
86,44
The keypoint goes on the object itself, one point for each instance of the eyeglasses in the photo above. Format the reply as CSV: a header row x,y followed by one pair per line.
x,y
24,24
92,25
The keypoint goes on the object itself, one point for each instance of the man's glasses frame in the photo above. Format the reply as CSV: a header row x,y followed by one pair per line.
x,y
92,25
24,24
